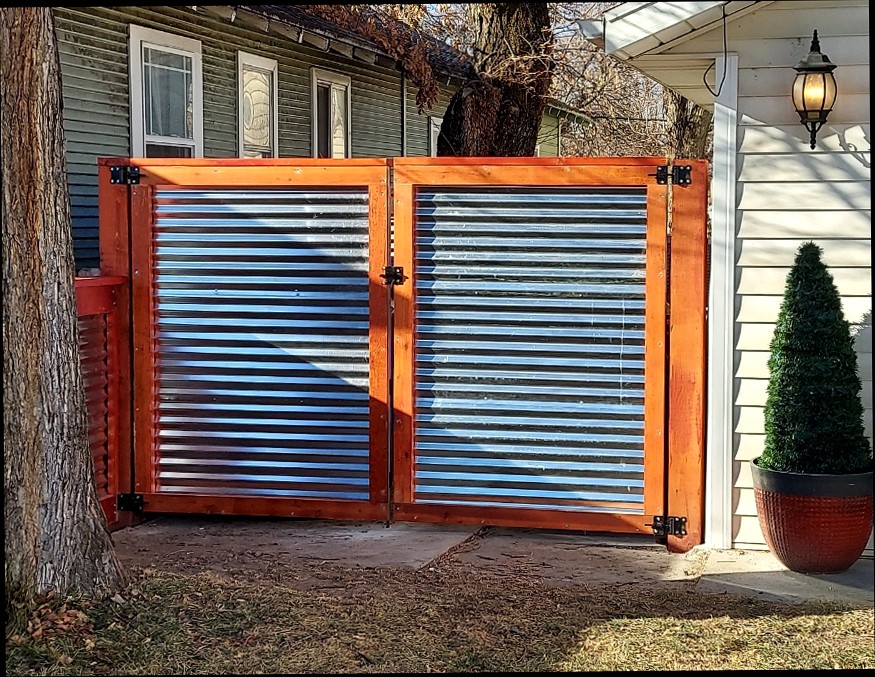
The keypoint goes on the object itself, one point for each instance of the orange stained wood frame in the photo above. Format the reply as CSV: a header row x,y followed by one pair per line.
x,y
114,221
371,174
679,464
687,356
101,296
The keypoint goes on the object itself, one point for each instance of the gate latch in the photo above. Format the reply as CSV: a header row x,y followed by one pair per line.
x,y
124,174
130,503
393,275
668,526
681,175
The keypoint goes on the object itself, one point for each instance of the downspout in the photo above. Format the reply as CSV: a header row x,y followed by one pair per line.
x,y
403,113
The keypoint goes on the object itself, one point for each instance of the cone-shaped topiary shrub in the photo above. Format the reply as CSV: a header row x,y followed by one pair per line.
x,y
814,413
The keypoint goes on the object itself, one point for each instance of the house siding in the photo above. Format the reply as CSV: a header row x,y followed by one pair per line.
x,y
93,45
548,136
788,194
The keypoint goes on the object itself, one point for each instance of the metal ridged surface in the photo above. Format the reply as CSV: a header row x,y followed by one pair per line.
x,y
262,351
92,358
530,348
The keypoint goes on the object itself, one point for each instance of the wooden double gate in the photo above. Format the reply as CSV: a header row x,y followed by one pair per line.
x,y
454,340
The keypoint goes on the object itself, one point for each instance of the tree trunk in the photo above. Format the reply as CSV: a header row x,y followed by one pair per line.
x,y
56,535
689,127
498,112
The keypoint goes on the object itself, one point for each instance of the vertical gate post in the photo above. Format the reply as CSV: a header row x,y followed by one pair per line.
x,y
142,299
655,350
404,375
378,337
115,260
686,417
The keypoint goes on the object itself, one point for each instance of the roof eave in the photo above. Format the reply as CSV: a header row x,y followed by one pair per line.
x,y
635,29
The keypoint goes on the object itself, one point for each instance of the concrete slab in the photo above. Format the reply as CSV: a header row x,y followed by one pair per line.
x,y
760,574
224,540
266,546
569,558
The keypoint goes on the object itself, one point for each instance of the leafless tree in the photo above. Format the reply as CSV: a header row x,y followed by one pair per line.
x,y
56,538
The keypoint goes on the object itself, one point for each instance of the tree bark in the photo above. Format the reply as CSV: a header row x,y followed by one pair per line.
x,y
56,535
689,127
498,111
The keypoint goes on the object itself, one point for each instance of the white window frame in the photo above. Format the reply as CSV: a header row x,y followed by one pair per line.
x,y
318,75
176,44
261,63
434,130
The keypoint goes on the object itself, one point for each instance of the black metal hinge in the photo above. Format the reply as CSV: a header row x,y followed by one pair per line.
x,y
393,275
681,175
124,174
668,526
130,503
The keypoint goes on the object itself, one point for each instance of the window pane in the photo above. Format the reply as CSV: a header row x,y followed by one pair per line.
x,y
323,119
158,150
257,107
338,122
256,152
168,95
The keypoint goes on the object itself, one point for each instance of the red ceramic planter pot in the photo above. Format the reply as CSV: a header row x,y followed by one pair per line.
x,y
813,523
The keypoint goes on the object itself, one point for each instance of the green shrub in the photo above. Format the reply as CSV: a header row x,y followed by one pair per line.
x,y
814,413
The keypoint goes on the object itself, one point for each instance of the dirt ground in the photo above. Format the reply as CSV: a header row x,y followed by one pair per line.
x,y
230,545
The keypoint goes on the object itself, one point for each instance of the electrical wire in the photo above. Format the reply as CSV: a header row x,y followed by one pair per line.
x,y
705,74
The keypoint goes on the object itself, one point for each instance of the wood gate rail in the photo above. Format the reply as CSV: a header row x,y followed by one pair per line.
x,y
170,219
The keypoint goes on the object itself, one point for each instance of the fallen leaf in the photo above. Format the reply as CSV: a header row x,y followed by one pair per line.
x,y
118,599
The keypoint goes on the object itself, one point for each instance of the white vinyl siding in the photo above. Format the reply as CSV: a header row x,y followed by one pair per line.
x,y
788,194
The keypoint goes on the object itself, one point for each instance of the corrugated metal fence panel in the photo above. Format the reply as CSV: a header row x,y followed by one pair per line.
x,y
94,72
530,347
92,358
262,342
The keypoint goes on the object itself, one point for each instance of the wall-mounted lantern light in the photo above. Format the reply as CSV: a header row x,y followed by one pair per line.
x,y
814,90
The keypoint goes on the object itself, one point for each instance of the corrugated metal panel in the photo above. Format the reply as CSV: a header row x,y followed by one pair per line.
x,y
92,358
262,317
530,347
94,73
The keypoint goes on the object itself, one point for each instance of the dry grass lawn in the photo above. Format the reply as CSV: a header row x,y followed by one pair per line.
x,y
448,617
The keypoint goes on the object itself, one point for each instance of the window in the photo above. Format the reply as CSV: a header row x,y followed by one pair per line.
x,y
257,128
331,104
166,94
434,130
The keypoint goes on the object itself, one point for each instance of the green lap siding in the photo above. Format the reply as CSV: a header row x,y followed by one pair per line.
x,y
93,45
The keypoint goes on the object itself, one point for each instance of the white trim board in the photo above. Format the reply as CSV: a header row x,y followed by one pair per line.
x,y
719,448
